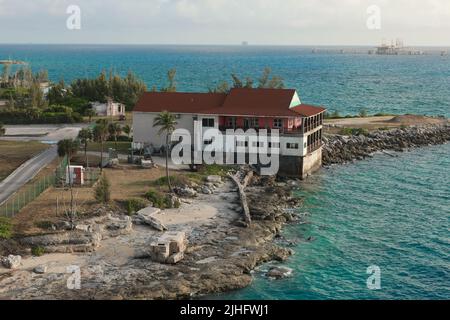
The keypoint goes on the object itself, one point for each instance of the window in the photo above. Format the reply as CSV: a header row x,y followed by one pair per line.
x,y
278,123
258,144
292,146
275,145
231,122
254,123
208,123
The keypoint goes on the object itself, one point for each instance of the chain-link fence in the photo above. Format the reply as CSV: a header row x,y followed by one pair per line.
x,y
18,201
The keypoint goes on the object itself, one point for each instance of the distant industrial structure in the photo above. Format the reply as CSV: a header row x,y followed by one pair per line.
x,y
394,49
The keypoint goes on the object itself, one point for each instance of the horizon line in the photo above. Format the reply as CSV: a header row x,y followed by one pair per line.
x,y
218,44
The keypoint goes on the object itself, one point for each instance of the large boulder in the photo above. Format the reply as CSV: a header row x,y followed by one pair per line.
x,y
214,179
279,272
185,192
11,261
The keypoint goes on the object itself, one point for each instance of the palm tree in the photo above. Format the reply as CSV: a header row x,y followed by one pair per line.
x,y
85,135
68,148
127,130
114,130
100,135
167,122
89,113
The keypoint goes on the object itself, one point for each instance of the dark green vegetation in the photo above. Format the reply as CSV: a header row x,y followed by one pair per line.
x,y
134,205
161,200
103,190
38,251
354,131
267,81
28,103
5,228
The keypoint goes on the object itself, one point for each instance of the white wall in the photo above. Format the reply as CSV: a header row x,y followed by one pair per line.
x,y
144,132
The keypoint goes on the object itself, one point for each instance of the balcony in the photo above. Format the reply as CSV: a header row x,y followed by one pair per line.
x,y
284,131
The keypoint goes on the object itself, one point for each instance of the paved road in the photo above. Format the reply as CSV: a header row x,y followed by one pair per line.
x,y
25,173
50,134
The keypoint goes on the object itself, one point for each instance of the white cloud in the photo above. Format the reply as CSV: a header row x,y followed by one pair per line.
x,y
228,21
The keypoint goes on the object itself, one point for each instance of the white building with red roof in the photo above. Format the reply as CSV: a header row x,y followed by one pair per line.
x,y
299,125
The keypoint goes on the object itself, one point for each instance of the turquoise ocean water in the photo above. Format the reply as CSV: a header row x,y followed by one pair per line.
x,y
344,82
389,212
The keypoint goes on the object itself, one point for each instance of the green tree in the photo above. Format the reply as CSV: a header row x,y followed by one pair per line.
x,y
100,135
57,93
89,113
103,190
37,99
363,113
114,130
166,123
68,148
172,87
85,136
127,130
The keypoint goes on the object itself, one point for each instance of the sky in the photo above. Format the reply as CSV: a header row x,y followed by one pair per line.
x,y
260,22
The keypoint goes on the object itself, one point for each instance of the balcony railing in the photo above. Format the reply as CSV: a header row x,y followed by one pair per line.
x,y
313,147
294,131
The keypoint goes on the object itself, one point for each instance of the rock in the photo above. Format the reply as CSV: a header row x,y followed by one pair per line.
x,y
175,258
206,190
214,179
83,227
186,192
72,241
169,248
40,269
279,272
12,262
150,221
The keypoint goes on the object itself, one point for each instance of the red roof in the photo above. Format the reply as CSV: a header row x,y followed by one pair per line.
x,y
307,110
179,102
239,102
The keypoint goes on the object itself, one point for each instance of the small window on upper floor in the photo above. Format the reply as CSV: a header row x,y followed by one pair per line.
x,y
278,123
208,123
292,146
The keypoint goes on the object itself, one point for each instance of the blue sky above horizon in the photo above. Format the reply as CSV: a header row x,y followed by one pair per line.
x,y
262,22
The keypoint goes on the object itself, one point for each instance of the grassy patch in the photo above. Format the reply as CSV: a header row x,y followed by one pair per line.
x,y
354,132
15,153
134,205
5,228
38,251
160,199
176,181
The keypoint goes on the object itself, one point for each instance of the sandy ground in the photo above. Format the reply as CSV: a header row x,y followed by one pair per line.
x,y
385,121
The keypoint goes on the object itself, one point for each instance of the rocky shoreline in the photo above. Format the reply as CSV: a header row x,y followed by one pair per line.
x,y
220,256
339,149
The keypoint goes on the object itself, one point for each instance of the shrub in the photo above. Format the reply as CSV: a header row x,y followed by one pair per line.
x,y
5,228
103,190
134,205
161,200
363,113
38,251
176,181
215,170
354,131
46,225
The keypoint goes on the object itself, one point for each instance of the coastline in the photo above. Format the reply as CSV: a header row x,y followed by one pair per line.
x,y
221,255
